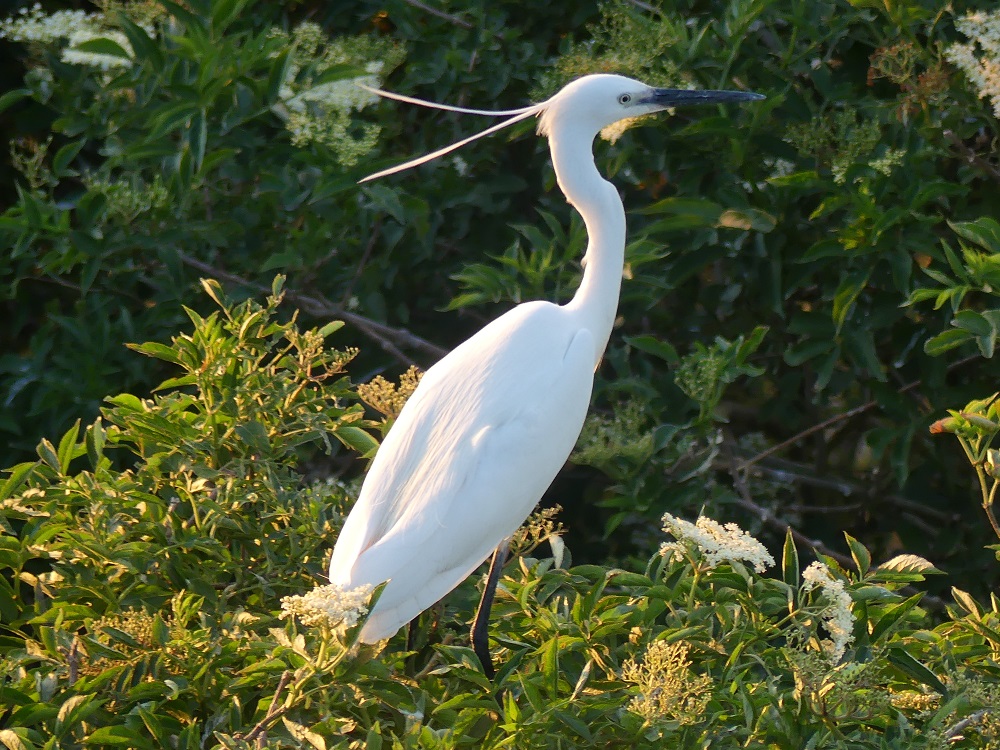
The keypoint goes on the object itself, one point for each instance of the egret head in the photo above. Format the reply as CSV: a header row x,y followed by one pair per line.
x,y
592,103
585,107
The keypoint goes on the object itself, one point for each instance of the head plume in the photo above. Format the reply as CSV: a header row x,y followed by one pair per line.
x,y
512,115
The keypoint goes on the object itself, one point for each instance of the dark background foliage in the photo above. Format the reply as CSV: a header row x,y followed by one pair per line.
x,y
771,215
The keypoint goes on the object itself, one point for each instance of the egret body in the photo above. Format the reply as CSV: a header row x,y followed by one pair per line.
x,y
484,434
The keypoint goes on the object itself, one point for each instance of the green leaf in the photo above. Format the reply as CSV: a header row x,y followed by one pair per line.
x,y
862,558
893,614
332,327
65,155
18,474
909,665
300,732
909,564
749,219
145,49
76,709
973,322
68,447
13,97
357,439
847,294
984,232
47,452
118,736
790,561
945,341
654,346
214,290
157,350
804,351
103,46
14,741
966,602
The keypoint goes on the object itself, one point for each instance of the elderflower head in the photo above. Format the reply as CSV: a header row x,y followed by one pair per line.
x,y
983,29
668,689
329,606
32,25
838,620
717,543
76,56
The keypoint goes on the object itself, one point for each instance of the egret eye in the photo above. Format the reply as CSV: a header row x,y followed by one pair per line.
x,y
624,98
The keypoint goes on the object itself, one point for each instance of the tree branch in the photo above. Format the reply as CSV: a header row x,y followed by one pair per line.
x,y
971,156
439,13
388,338
841,417
259,731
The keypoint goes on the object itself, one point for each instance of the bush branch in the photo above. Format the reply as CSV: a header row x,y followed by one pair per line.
x,y
388,338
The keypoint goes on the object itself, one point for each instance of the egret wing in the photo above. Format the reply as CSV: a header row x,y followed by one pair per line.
x,y
469,457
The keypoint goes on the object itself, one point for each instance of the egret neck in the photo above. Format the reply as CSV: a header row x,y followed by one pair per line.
x,y
596,301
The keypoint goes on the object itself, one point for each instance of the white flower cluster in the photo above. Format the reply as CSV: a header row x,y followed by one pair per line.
x,y
838,620
983,29
331,606
32,25
318,111
717,543
76,56
344,95
75,26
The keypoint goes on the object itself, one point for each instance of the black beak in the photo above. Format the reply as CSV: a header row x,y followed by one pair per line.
x,y
685,97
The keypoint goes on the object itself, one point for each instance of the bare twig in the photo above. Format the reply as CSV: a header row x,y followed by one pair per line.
x,y
837,418
955,732
746,501
387,337
260,728
439,13
645,6
73,661
765,515
971,156
365,255
783,469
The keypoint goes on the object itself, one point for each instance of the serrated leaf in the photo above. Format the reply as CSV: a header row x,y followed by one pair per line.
x,y
47,452
13,742
966,602
300,732
984,232
909,564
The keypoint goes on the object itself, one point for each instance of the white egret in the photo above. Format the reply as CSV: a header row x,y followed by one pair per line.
x,y
490,425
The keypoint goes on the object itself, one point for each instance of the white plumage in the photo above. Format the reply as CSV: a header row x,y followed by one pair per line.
x,y
491,424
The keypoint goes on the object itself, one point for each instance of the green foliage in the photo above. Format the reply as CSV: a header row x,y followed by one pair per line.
x,y
851,214
141,605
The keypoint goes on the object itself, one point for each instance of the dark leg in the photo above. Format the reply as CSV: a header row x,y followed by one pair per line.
x,y
481,625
